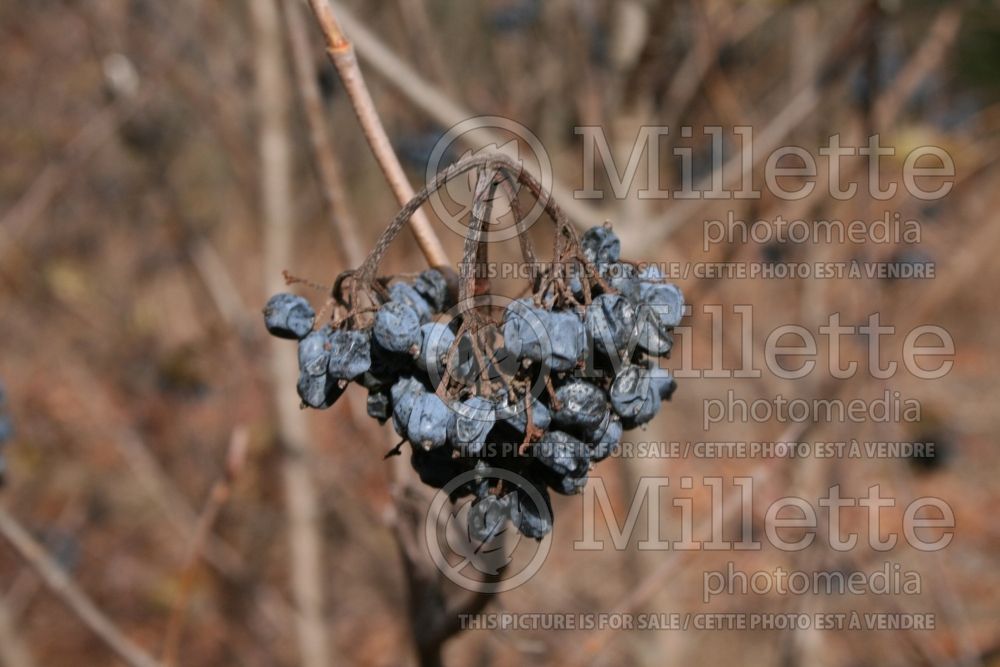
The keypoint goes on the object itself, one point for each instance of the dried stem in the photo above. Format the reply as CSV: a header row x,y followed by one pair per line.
x,y
300,495
341,53
63,587
217,497
327,166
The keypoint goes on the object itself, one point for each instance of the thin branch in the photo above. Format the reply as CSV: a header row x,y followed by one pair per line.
x,y
217,497
63,587
300,495
341,53
327,166
428,98
13,650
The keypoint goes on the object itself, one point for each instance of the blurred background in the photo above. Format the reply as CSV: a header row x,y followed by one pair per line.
x,y
159,173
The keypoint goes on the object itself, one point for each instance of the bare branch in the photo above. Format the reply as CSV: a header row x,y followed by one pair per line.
x,y
63,587
341,53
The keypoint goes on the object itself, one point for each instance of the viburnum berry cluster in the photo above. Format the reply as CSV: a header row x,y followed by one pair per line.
x,y
541,386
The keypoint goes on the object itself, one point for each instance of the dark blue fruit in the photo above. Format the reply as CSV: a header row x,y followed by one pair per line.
x,y
350,354
379,406
474,418
581,406
397,327
432,285
288,316
665,300
606,439
663,382
532,519
435,342
515,414
404,393
487,517
610,321
405,293
429,422
562,454
314,352
318,391
601,245
526,331
567,340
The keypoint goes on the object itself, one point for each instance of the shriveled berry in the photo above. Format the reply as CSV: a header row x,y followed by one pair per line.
x,y
288,316
397,327
433,286
429,422
629,391
350,354
473,420
379,406
581,406
606,438
515,414
435,341
567,340
404,393
601,245
526,331
530,518
561,453
314,352
405,293
487,517
318,391
610,321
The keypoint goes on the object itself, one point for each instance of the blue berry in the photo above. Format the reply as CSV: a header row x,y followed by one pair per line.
x,y
531,520
404,393
378,406
350,354
665,300
561,453
567,340
435,342
634,397
429,422
610,321
517,417
288,316
582,406
601,245
405,293
526,331
474,418
606,438
397,327
663,382
318,391
314,352
487,517
432,285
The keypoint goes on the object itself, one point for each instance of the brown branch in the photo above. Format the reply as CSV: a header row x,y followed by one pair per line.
x,y
64,588
217,497
299,487
327,166
341,53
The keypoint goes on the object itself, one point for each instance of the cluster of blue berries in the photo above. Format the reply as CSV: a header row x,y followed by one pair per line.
x,y
6,432
547,396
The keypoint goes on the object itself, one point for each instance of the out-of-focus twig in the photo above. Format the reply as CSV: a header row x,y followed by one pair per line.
x,y
63,587
13,651
217,497
300,495
341,52
327,166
